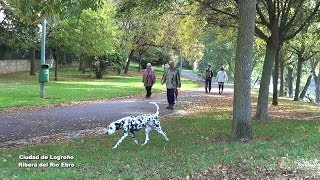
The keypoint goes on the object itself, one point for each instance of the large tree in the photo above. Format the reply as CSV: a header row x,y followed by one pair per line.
x,y
283,20
176,28
27,15
305,46
316,77
92,34
242,126
277,22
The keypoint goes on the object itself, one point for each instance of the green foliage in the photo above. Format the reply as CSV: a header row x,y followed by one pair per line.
x,y
94,33
147,24
115,61
155,56
181,29
25,16
220,49
307,40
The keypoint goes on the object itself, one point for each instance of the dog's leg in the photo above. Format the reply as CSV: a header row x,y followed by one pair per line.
x,y
134,139
161,132
148,129
125,134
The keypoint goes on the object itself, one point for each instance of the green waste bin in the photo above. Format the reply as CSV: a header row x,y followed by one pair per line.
x,y
44,73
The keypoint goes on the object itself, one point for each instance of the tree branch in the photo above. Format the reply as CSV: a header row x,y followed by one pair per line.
x,y
288,24
225,13
263,19
290,36
260,34
284,15
278,10
271,10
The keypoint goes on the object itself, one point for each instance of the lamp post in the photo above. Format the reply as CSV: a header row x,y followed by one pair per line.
x,y
180,61
43,55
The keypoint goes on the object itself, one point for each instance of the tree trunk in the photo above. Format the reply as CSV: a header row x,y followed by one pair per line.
x,y
33,62
242,125
139,64
56,61
128,62
290,82
81,64
317,84
256,81
298,81
317,91
304,91
281,90
276,78
263,97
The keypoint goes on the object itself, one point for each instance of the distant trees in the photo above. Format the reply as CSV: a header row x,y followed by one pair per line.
x,y
277,22
220,50
145,29
24,17
304,46
90,35
284,20
167,25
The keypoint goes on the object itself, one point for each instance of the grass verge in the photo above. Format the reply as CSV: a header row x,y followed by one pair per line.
x,y
17,90
199,148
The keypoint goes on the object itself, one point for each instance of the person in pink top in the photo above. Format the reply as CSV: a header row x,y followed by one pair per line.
x,y
149,79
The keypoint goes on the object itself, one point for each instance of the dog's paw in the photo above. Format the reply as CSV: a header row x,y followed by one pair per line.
x,y
136,142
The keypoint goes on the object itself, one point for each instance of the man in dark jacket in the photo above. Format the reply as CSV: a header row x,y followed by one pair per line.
x,y
172,79
208,78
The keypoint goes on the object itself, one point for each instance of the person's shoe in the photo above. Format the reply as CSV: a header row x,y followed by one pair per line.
x,y
170,107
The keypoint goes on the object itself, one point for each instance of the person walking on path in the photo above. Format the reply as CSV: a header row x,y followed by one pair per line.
x,y
149,79
172,79
208,78
222,77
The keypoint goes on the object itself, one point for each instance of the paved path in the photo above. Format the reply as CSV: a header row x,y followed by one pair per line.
x,y
191,75
40,122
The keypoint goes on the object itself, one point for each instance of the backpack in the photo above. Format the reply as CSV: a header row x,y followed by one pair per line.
x,y
208,74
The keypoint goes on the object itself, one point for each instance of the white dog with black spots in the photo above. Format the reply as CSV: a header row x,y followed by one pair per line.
x,y
132,124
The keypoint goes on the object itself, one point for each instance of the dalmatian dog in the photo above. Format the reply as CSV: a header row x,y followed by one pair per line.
x,y
132,124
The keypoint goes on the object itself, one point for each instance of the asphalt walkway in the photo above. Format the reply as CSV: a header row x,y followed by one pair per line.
x,y
34,123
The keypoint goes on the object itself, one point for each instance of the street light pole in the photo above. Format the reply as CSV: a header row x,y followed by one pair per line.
x,y
180,61
43,54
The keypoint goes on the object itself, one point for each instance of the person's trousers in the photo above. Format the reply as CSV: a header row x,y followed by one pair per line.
x,y
220,86
148,89
208,85
170,97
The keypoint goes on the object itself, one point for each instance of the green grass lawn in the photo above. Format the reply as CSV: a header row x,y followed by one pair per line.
x,y
198,145
20,89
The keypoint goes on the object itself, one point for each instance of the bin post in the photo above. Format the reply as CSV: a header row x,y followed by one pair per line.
x,y
43,55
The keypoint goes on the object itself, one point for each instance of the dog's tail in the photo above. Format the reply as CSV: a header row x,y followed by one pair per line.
x,y
157,113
